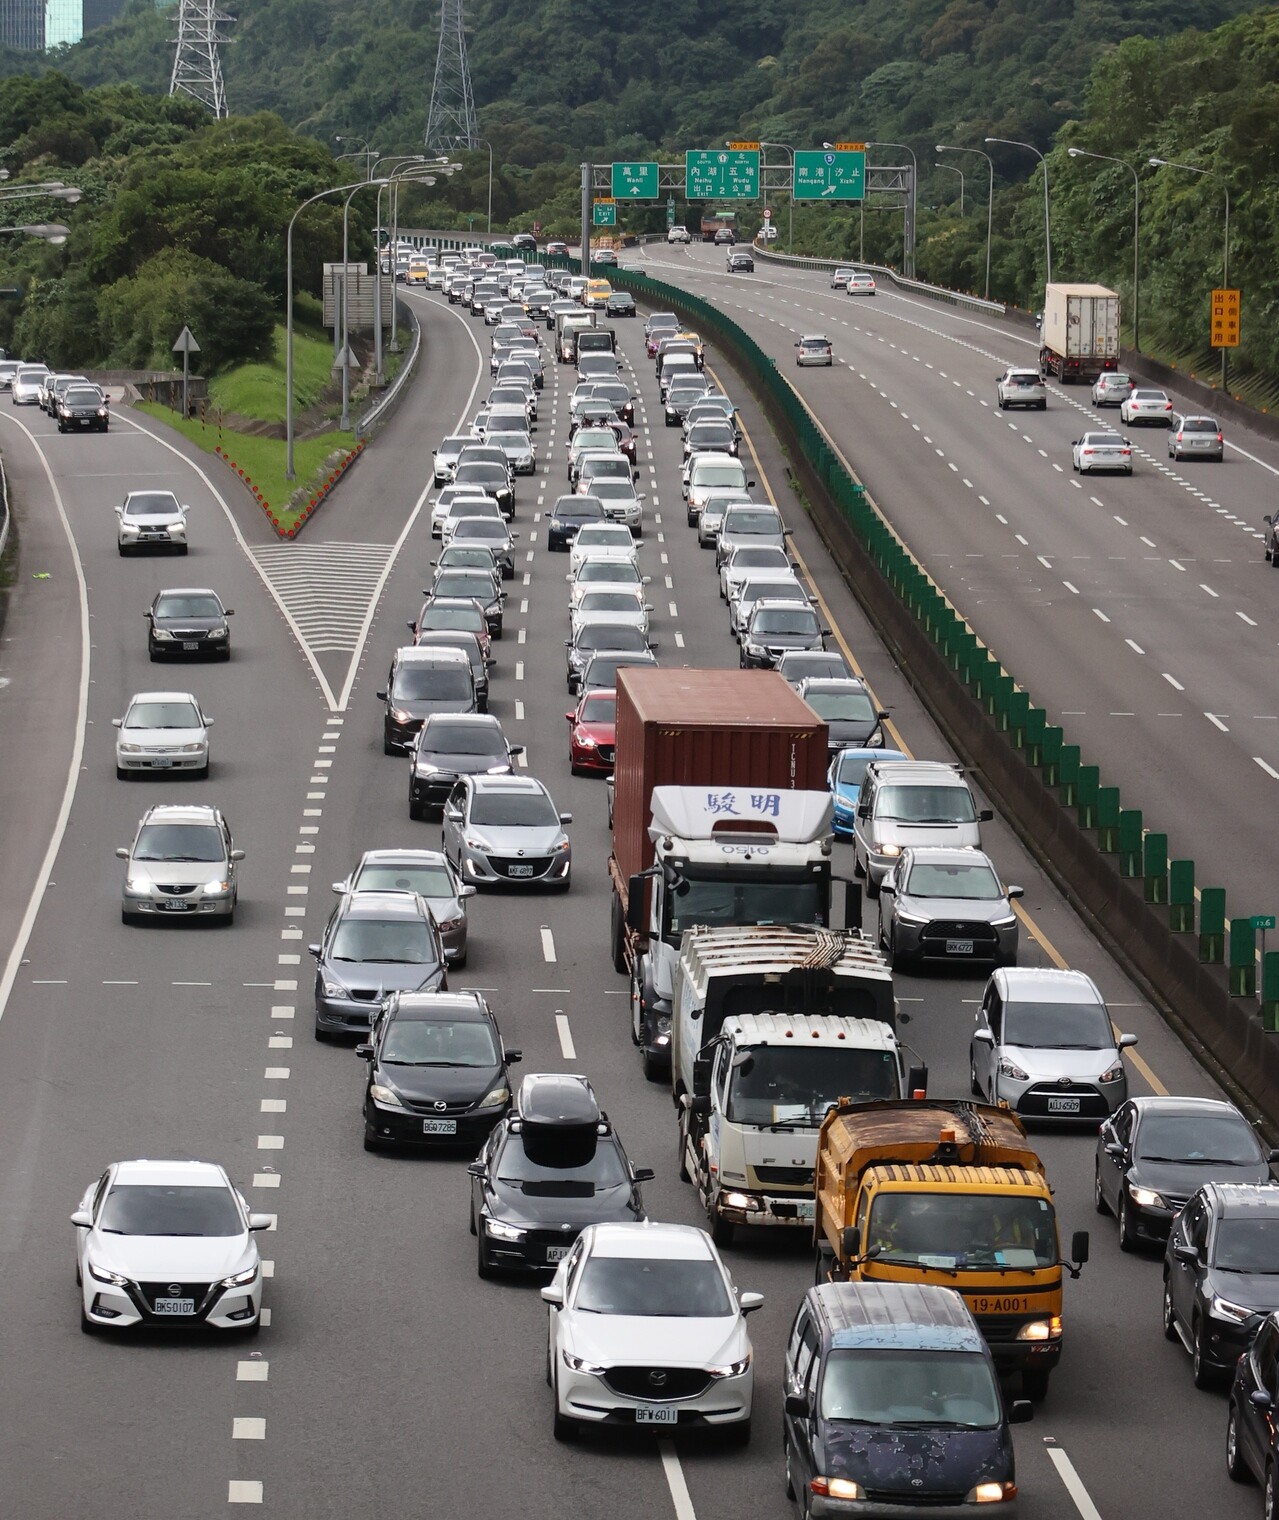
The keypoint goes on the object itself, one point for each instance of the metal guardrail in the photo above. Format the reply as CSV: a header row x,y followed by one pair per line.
x,y
5,512
374,413
882,271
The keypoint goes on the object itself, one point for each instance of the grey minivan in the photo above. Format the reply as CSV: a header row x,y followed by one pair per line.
x,y
910,802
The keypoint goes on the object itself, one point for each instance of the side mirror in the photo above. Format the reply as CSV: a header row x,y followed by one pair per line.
x,y
983,1037
339,887
1015,892
569,716
1115,1151
365,1051
749,1302
566,817
553,1294
237,854
1259,1398
796,1405
513,1057
917,1081
81,1219
888,884
516,749
700,1105
1079,1247
1020,1412
314,950
411,626
117,722
475,1169
750,485
643,1174
1127,1041
985,816
261,1221
850,1241
468,891
1185,1253
122,854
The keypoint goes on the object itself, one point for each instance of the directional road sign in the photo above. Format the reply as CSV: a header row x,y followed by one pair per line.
x,y
604,214
186,343
830,175
721,174
634,182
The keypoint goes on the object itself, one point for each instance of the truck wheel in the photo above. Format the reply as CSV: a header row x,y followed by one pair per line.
x,y
619,938
1034,1384
721,1231
653,1068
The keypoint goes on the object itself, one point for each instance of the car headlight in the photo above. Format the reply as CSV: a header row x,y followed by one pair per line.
x,y
1145,1198
837,1488
500,1231
498,770
890,851
386,1096
1041,1330
130,749
191,749
399,715
496,1096
475,842
162,634
137,884
991,1493
1004,923
448,925
216,886
580,1364
102,411
917,920
220,632
425,767
1011,1070
240,1278
741,1201
1222,1308
100,1274
1115,1074
733,1369
562,846
334,989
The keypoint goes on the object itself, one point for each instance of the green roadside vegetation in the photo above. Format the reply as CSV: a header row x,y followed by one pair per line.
x,y
256,389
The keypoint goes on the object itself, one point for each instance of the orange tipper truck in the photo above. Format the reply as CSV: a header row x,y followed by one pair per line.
x,y
929,1191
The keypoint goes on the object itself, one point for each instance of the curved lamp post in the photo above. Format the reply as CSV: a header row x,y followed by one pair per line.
x,y
1010,142
1167,163
990,198
1105,158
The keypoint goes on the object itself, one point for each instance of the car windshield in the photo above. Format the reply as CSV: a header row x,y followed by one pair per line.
x,y
594,438
1057,1026
83,396
529,810
609,601
715,900
1220,1139
452,617
907,1387
926,804
386,941
1023,377
180,842
1148,396
788,590
442,1042
815,343
714,473
458,556
611,636
184,605
479,472
579,509
848,706
771,1085
453,446
599,710
144,503
606,535
157,1210
163,715
739,520
601,669
462,583
606,468
963,1231
1247,1245
462,739
968,882
481,527
431,682
620,571
757,556
780,620
852,769
613,490
709,435
645,1287
426,880
1115,378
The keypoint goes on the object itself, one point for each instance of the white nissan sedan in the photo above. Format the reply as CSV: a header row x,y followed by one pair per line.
x,y
167,1243
646,1330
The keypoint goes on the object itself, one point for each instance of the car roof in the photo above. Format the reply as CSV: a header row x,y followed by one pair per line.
x,y
529,785
474,720
182,812
901,1316
814,338
432,1005
921,772
146,1173
1041,984
651,1240
831,683
380,903
184,590
162,696
862,752
402,858
431,654
959,855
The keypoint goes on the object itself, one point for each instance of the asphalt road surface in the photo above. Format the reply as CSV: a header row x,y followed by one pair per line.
x,y
390,1381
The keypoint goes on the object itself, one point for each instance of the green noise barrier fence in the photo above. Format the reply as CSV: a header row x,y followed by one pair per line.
x,y
1173,936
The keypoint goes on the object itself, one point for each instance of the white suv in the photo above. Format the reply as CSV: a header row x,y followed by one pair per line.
x,y
678,235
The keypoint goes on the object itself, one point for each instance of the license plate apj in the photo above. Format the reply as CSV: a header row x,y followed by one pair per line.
x,y
557,1253
656,1414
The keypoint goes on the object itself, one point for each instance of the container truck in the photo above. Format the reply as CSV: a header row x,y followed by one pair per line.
x,y
948,1193
1079,334
772,1025
721,816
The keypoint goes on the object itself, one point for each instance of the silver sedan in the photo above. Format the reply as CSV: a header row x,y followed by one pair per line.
x,y
162,731
426,872
505,829
947,905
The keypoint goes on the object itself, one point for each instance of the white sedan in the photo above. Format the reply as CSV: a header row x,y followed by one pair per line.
x,y
162,731
861,284
1100,451
840,277
601,541
645,1330
151,520
167,1243
1146,406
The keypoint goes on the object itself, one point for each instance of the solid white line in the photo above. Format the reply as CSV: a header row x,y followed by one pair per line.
x,y
1269,769
675,1482
548,945
1073,1484
41,884
566,1039
1207,588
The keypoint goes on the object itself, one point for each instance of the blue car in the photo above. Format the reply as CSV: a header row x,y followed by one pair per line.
x,y
845,781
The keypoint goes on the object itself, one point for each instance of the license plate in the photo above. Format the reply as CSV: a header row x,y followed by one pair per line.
x,y
656,1414
999,1305
439,1126
161,762
959,947
175,905
175,1306
557,1253
522,870
190,644
1063,1105
806,1208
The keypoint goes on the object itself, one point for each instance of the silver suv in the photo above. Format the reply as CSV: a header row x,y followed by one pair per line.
x,y
911,802
181,863
1021,387
1045,1046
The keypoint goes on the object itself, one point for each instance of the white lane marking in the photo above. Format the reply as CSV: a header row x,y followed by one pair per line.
x,y
675,1482
273,1106
548,945
519,670
1216,722
276,1074
1149,542
1101,614
1246,619
1207,588
985,501
255,1370
519,711
1073,1483
1172,681
248,1428
1022,540
679,641
1043,560
521,637
244,1491
40,886
270,1142
566,1038
1176,565
1134,646
1069,587
1269,769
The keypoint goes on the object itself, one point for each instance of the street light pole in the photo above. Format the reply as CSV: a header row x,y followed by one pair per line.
x,y
365,152
1105,158
1167,163
990,199
912,205
413,167
484,143
960,172
1010,142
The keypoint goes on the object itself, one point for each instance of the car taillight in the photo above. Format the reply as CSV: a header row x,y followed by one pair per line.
x,y
1220,439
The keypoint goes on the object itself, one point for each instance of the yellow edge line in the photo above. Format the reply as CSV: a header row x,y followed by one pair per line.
x,y
1032,928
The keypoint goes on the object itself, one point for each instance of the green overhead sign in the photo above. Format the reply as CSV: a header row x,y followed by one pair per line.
x,y
830,174
604,214
634,182
721,174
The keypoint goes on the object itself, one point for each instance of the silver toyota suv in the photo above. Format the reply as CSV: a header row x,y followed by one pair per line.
x,y
911,802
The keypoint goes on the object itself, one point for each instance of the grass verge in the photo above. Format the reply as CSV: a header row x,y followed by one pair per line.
x,y
257,390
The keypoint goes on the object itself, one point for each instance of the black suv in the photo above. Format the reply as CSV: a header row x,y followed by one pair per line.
x,y
437,1071
552,1167
1221,1274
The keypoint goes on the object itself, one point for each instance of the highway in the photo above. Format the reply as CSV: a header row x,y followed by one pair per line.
x,y
1138,611
390,1380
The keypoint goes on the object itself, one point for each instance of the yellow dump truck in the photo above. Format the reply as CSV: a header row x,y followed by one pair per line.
x,y
948,1193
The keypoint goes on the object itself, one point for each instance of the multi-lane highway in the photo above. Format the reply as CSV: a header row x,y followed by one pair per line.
x,y
390,1380
1139,612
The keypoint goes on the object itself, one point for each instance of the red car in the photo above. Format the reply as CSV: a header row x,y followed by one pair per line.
x,y
592,733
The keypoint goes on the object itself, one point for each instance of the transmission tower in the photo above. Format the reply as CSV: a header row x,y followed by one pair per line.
x,y
197,70
450,124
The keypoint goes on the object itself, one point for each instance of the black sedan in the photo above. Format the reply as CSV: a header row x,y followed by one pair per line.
x,y
493,480
475,585
188,620
1153,1153
1252,1429
1221,1274
453,745
621,303
437,1072
568,515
